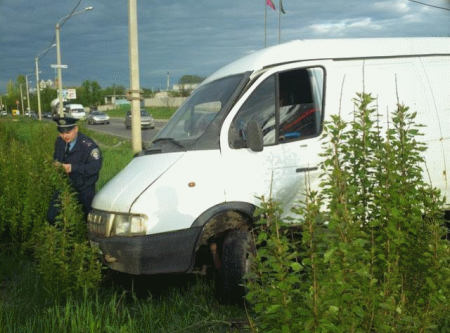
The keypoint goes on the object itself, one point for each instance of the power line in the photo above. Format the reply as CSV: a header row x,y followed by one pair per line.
x,y
68,16
54,37
48,48
425,4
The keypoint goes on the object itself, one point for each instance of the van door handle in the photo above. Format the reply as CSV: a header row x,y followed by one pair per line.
x,y
306,169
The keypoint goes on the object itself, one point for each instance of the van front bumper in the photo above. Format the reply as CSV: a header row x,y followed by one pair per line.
x,y
172,252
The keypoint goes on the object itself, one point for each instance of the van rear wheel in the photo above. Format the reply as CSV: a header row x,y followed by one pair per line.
x,y
237,250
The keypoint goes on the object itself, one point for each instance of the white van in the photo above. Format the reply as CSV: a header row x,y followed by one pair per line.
x,y
75,111
252,128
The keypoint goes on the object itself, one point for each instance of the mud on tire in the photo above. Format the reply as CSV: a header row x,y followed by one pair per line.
x,y
237,249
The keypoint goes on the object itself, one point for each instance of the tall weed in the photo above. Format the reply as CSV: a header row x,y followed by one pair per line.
x,y
65,259
29,180
373,256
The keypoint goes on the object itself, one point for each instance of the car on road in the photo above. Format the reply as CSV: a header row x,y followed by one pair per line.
x,y
3,113
75,111
147,120
31,114
47,115
97,117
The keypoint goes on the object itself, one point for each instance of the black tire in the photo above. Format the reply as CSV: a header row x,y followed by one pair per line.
x,y
237,249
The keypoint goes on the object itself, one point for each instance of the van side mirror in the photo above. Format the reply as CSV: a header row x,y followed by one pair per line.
x,y
254,136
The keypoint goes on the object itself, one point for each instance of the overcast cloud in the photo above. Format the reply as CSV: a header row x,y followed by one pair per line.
x,y
187,37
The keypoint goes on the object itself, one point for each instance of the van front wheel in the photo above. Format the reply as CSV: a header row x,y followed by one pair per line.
x,y
237,249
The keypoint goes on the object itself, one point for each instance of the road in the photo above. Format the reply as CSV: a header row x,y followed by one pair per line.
x,y
117,127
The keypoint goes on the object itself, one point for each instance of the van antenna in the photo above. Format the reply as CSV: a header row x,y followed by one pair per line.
x,y
342,90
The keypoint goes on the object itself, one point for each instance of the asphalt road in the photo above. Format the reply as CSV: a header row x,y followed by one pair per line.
x,y
117,127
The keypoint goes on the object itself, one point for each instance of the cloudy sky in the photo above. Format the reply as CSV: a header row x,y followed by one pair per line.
x,y
188,37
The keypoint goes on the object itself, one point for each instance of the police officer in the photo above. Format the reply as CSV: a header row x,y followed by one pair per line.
x,y
81,159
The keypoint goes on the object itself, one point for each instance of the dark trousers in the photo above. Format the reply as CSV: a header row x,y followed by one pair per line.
x,y
84,197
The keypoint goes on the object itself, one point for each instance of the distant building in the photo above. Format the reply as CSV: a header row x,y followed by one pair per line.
x,y
161,94
116,100
42,85
186,86
47,84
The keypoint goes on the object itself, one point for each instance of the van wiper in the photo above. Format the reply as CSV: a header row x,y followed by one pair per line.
x,y
172,140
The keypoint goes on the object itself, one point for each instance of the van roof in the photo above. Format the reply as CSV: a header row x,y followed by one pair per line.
x,y
321,49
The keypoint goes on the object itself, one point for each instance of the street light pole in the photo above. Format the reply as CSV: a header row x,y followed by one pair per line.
x,y
58,62
38,88
28,93
21,99
58,58
134,92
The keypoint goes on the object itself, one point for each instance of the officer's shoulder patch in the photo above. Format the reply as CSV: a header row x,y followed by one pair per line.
x,y
95,153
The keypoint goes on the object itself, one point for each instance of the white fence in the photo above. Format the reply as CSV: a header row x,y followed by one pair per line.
x,y
171,102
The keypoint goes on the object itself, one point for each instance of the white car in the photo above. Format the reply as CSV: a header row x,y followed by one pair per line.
x,y
3,113
75,111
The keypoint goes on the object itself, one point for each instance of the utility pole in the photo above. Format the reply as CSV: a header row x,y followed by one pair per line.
x,y
28,97
168,81
21,99
134,93
28,94
38,88
58,57
58,62
114,94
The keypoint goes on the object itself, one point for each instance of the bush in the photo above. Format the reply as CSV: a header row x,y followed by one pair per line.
x,y
29,180
25,172
371,255
65,259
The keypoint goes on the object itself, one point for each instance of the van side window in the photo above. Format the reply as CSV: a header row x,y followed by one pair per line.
x,y
296,115
260,107
300,104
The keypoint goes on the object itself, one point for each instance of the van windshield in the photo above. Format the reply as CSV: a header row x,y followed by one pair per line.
x,y
199,117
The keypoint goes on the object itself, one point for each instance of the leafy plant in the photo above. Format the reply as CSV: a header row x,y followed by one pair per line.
x,y
64,256
29,179
276,272
373,253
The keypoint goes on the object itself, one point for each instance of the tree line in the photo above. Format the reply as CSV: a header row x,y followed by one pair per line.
x,y
90,93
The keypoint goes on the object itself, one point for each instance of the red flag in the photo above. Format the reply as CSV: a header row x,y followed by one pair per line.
x,y
270,4
281,7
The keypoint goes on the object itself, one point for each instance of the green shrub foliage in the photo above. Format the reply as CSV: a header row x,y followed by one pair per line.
x,y
29,179
25,175
372,254
65,259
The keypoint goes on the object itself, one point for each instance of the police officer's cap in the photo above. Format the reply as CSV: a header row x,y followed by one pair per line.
x,y
65,124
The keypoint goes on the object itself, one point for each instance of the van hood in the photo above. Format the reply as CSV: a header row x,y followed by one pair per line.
x,y
119,194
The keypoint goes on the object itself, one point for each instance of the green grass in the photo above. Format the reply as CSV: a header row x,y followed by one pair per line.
x,y
145,304
156,112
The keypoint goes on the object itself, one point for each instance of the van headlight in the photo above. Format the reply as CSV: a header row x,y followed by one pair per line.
x,y
128,225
